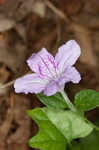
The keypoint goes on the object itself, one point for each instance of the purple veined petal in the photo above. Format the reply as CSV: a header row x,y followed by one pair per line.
x,y
67,55
70,74
30,83
43,63
51,88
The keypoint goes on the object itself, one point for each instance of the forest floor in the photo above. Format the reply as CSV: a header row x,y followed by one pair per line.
x,y
26,27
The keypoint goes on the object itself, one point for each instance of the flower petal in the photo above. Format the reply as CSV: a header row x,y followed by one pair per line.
x,y
30,83
70,74
67,55
43,63
51,88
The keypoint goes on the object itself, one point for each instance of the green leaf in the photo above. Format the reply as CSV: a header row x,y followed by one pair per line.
x,y
86,100
48,137
69,123
56,128
56,101
90,142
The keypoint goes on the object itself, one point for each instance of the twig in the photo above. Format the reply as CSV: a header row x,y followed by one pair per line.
x,y
7,84
56,11
2,86
12,101
63,16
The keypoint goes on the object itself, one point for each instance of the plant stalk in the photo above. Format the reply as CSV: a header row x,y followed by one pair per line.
x,y
68,102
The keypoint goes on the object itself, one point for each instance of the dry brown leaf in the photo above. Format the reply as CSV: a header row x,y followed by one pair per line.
x,y
6,23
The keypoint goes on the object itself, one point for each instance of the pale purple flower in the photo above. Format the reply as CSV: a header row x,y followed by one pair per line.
x,y
51,73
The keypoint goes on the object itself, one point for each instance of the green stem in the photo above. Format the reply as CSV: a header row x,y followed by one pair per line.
x,y
68,102
70,145
72,107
